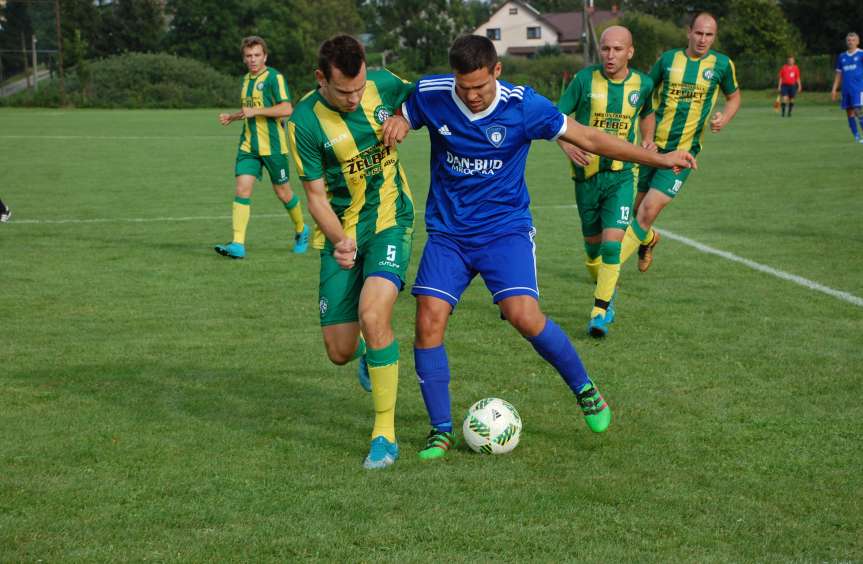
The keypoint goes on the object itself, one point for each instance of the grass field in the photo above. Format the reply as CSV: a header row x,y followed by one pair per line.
x,y
158,402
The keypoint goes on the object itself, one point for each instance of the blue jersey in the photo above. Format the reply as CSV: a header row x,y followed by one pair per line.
x,y
478,160
851,67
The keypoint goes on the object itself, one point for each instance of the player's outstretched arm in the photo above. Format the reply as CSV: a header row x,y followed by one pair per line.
x,y
227,119
328,222
600,143
280,110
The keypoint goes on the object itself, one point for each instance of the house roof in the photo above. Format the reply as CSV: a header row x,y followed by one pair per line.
x,y
570,25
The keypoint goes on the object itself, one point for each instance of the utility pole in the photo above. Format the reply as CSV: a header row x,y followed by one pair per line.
x,y
60,51
26,63
35,67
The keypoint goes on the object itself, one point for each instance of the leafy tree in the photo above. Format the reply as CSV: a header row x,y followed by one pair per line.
x,y
823,24
651,36
130,26
207,30
758,29
420,31
678,11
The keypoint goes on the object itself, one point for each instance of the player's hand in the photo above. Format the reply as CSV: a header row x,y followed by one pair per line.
x,y
717,122
649,145
577,155
225,119
394,130
345,253
679,160
249,112
834,95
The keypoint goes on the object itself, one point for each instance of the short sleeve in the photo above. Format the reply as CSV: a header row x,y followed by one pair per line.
x,y
307,151
280,92
571,97
395,89
729,79
412,110
656,72
839,63
542,119
646,91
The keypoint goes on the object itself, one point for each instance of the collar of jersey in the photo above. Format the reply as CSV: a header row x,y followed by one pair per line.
x,y
257,76
611,80
486,112
857,50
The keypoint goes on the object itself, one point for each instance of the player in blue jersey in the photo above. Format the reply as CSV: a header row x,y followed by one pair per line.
x,y
478,220
849,73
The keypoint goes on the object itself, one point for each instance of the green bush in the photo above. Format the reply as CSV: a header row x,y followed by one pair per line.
x,y
139,80
652,37
543,74
816,72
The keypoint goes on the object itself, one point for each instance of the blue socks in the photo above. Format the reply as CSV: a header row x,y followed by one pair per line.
x,y
852,123
432,366
553,345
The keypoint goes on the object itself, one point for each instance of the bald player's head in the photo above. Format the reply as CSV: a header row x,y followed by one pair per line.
x,y
615,50
701,34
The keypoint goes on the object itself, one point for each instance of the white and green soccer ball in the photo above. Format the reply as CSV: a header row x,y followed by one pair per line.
x,y
492,426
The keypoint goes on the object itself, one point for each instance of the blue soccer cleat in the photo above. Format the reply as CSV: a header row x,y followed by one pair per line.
x,y
598,325
363,374
609,312
301,240
232,250
382,454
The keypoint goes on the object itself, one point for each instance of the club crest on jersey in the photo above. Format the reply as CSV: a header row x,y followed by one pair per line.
x,y
259,86
495,135
708,74
382,114
324,305
634,96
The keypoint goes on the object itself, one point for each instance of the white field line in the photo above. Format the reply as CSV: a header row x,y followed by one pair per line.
x,y
799,280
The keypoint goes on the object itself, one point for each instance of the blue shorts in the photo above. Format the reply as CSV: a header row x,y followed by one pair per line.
x,y
507,264
851,99
789,90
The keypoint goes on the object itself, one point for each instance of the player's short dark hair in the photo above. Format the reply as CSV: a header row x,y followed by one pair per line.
x,y
343,52
696,15
251,41
472,52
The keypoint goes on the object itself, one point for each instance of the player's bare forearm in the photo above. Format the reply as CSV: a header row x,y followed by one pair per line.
x,y
281,110
647,128
227,119
732,104
600,143
322,212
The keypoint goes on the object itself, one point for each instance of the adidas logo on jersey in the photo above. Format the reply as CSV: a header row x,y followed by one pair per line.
x,y
444,130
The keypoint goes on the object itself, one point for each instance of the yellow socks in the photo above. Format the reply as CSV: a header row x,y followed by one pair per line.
x,y
242,210
384,372
609,273
295,210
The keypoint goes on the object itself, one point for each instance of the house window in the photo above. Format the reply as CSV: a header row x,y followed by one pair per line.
x,y
493,33
534,32
513,11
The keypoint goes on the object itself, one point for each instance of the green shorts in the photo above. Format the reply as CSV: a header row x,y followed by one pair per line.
x,y
387,253
605,201
251,164
662,179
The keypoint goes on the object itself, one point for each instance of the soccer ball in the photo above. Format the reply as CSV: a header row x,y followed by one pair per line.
x,y
492,426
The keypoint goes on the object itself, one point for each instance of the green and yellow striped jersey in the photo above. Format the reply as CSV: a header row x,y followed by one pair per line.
x,y
613,106
366,185
264,136
685,92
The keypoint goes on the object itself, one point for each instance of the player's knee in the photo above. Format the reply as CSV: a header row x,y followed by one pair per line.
x,y
859,112
430,326
610,251
338,353
526,319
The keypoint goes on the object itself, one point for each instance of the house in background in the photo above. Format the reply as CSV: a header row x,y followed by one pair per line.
x,y
519,29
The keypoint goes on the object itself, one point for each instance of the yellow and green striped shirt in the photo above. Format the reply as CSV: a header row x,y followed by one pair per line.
x,y
685,92
613,106
366,185
264,136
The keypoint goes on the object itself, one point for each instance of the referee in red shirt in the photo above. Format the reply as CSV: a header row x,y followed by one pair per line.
x,y
789,84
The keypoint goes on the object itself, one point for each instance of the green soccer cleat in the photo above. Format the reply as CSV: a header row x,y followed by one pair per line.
x,y
232,250
363,374
301,240
438,444
382,453
596,412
